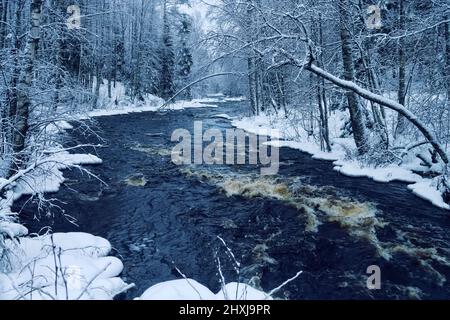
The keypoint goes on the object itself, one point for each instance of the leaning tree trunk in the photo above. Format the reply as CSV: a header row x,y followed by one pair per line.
x,y
356,115
24,86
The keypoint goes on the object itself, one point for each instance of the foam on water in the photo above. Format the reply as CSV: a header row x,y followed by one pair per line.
x,y
137,180
151,150
321,205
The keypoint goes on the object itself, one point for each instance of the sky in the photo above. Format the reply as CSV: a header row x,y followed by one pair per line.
x,y
199,9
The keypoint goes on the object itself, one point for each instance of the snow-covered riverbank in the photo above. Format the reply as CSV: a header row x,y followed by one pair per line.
x,y
297,138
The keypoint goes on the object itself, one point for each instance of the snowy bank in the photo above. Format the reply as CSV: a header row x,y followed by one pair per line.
x,y
219,98
120,103
71,266
188,289
223,116
43,175
297,138
152,105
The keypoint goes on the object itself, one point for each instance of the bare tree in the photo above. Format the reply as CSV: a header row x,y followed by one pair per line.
x,y
23,87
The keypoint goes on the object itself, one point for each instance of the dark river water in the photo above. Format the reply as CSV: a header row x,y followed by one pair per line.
x,y
159,217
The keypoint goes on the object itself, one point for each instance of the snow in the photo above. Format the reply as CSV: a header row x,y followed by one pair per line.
x,y
13,229
184,289
208,100
120,103
62,266
382,174
240,291
189,289
258,125
219,97
151,105
297,138
422,187
42,176
235,99
426,189
223,116
58,127
48,177
181,105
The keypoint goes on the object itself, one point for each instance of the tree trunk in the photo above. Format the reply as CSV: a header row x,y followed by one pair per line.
x,y
13,89
60,46
281,91
356,116
252,85
98,82
59,76
321,96
447,56
109,86
401,121
24,86
3,21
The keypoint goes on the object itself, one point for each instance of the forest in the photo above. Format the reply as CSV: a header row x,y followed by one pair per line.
x,y
356,91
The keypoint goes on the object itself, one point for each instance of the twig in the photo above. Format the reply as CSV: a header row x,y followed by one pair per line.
x,y
187,280
272,292
92,280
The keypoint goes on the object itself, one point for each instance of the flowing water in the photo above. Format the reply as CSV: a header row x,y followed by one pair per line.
x,y
160,217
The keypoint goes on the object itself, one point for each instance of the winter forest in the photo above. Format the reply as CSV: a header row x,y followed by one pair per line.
x,y
224,149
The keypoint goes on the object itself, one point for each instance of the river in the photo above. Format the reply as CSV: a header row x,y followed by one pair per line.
x,y
161,217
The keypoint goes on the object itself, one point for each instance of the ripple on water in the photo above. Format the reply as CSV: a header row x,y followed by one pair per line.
x,y
321,205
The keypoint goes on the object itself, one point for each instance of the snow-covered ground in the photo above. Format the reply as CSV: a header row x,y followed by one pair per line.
x,y
189,289
152,104
223,116
120,103
70,266
293,136
219,98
